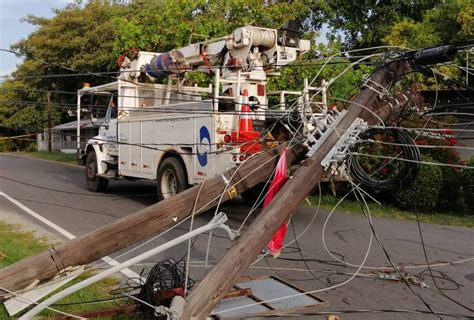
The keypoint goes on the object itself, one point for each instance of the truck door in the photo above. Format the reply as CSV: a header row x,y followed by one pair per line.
x,y
110,123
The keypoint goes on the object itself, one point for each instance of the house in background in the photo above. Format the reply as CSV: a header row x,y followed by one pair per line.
x,y
459,104
64,136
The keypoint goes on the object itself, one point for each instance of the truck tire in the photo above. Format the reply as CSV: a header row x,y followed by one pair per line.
x,y
251,195
170,179
94,182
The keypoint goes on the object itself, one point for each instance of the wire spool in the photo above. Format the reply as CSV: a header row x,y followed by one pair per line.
x,y
263,38
407,172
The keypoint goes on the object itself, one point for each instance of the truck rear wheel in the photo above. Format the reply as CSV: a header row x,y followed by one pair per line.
x,y
94,182
171,178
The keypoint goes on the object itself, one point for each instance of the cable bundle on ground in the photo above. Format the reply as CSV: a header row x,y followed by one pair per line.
x,y
164,281
407,171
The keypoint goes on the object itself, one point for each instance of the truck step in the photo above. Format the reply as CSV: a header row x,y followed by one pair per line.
x,y
110,174
111,163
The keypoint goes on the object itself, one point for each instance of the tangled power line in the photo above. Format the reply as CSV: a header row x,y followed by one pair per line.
x,y
409,155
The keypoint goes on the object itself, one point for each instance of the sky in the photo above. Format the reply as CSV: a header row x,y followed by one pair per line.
x,y
12,30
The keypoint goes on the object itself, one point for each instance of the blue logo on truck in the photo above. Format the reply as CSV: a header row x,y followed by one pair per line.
x,y
205,143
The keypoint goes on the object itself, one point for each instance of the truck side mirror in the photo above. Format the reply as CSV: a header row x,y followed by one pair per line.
x,y
94,119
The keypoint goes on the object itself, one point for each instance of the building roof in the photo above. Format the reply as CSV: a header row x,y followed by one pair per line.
x,y
85,124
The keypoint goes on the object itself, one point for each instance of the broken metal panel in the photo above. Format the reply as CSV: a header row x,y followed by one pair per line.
x,y
243,312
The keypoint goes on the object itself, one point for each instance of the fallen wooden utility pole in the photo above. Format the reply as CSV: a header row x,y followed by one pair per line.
x,y
226,273
142,224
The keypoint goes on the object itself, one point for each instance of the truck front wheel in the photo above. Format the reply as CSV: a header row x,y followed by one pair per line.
x,y
171,178
93,181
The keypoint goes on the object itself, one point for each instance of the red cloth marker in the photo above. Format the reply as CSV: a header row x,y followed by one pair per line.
x,y
275,245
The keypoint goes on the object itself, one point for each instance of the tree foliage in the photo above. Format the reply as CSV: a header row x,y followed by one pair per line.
x,y
366,23
451,21
88,36
76,40
163,25
292,77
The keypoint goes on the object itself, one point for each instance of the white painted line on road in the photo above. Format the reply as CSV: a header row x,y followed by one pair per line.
x,y
129,273
50,224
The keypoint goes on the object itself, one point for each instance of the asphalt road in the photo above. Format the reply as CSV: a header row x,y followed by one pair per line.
x,y
57,192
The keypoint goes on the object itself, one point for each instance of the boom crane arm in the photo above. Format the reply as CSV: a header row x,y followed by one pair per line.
x,y
253,50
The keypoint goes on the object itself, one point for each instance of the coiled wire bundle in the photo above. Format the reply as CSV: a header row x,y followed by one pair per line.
x,y
407,170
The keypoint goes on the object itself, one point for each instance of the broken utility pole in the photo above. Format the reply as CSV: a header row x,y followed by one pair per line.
x,y
142,224
226,273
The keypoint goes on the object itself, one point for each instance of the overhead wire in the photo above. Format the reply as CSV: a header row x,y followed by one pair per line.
x,y
23,299
367,251
425,254
311,291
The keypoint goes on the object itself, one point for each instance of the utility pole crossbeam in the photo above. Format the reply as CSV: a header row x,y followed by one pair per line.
x,y
143,224
226,273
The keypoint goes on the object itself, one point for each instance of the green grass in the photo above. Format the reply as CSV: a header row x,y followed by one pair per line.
x,y
385,211
16,245
55,156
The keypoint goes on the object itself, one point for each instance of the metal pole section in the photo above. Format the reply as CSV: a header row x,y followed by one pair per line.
x,y
78,129
282,101
324,86
217,222
217,78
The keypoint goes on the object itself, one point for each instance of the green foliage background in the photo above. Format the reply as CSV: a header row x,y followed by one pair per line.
x,y
88,36
422,194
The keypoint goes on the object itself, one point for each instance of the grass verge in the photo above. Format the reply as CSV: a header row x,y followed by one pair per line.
x,y
16,244
385,211
54,156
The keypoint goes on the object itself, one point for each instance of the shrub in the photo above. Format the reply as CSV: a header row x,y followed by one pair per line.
x,y
451,182
450,194
6,145
32,147
468,186
422,194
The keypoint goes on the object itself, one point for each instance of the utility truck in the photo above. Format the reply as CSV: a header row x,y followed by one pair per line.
x,y
158,127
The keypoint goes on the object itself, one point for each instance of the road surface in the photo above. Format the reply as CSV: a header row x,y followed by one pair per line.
x,y
57,193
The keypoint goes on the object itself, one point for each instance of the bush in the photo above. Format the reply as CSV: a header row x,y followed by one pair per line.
x,y
450,194
32,147
468,186
6,145
422,194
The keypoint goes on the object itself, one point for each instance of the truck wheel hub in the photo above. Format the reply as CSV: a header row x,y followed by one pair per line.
x,y
169,184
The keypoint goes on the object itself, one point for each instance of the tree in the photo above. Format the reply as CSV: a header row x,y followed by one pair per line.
x,y
347,84
365,23
452,21
76,40
163,25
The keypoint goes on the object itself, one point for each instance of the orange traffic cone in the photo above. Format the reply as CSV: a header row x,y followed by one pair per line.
x,y
245,120
246,131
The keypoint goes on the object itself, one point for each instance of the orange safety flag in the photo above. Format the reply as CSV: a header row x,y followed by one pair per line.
x,y
275,245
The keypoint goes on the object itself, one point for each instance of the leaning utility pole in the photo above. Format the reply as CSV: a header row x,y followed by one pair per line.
x,y
142,224
227,272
